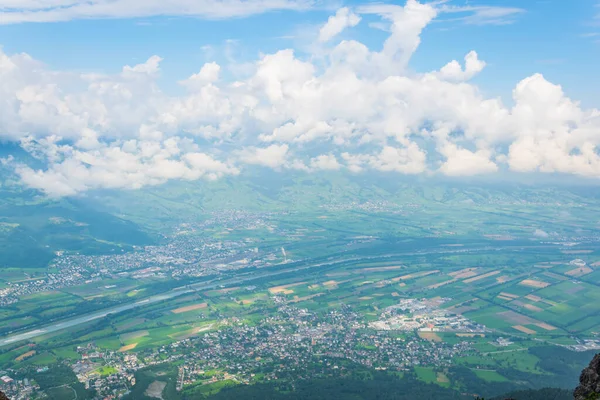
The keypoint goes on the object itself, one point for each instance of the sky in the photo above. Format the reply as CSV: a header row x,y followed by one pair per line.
x,y
128,93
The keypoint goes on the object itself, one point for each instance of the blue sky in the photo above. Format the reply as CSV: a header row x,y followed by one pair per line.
x,y
553,37
129,93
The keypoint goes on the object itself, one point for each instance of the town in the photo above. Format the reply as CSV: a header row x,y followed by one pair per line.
x,y
292,341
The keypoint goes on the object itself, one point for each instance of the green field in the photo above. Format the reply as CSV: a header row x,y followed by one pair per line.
x,y
353,247
427,375
106,371
489,375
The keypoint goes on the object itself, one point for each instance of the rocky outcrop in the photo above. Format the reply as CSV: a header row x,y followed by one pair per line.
x,y
3,396
589,382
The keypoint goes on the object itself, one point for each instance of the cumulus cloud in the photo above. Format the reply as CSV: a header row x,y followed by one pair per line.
x,y
209,73
463,162
274,156
128,165
407,23
553,134
406,160
19,11
150,67
344,18
454,71
325,162
356,109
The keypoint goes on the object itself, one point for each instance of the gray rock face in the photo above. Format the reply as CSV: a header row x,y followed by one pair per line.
x,y
589,382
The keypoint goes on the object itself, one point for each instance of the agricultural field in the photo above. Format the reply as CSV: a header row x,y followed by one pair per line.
x,y
348,285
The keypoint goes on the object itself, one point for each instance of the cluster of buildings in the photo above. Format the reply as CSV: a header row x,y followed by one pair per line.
x,y
186,253
69,275
292,342
424,315
18,389
297,342
585,345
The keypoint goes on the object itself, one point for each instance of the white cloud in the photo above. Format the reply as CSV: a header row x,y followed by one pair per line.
x,y
129,165
463,162
553,134
540,233
325,162
209,73
19,11
407,23
344,18
362,109
483,15
281,75
406,160
274,156
150,67
454,71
